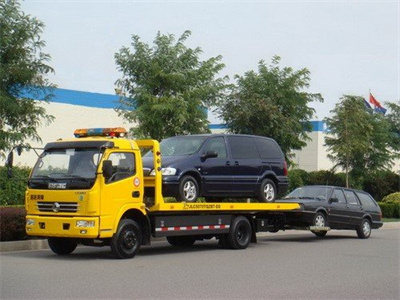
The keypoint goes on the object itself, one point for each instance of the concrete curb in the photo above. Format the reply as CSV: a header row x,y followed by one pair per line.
x,y
41,244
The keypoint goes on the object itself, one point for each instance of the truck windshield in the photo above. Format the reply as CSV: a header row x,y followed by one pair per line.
x,y
76,167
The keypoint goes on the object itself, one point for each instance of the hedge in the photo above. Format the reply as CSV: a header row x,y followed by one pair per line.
x,y
392,198
12,190
12,224
390,210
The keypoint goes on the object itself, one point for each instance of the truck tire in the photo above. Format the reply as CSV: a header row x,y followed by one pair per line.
x,y
268,191
239,236
181,241
62,246
188,189
126,242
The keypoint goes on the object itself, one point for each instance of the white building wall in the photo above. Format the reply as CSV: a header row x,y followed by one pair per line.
x,y
69,117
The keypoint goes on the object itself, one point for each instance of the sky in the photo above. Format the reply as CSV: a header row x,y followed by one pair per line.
x,y
350,47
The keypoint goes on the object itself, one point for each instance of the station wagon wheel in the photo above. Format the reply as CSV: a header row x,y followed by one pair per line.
x,y
319,221
268,191
364,229
188,189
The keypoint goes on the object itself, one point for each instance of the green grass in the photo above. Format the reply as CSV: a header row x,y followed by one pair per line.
x,y
390,220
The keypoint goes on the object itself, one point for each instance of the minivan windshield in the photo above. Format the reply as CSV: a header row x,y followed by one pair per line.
x,y
181,145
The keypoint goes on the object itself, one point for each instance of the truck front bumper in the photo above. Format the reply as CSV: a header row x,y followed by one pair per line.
x,y
71,227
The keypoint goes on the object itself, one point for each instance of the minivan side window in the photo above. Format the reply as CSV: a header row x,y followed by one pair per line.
x,y
243,147
268,148
216,144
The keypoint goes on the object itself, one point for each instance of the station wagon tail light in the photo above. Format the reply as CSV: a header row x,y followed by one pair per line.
x,y
111,132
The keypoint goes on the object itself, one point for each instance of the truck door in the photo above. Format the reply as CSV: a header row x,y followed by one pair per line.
x,y
122,188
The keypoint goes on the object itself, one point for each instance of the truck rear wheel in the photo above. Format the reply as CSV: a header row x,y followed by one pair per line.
x,y
62,246
127,240
239,236
181,241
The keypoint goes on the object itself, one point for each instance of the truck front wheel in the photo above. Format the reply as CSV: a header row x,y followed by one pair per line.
x,y
127,240
62,246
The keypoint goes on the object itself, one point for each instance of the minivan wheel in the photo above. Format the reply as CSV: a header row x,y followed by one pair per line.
x,y
188,189
268,191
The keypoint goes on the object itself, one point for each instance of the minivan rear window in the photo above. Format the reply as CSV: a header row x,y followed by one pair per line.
x,y
268,148
243,147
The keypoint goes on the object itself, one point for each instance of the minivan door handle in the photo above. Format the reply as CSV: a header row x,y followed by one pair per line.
x,y
228,163
236,163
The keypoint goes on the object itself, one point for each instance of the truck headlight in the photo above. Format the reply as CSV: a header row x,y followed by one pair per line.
x,y
30,222
85,224
164,171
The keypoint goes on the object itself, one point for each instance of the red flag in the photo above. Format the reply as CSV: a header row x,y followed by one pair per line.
x,y
374,101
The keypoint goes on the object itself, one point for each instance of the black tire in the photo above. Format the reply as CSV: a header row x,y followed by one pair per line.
x,y
364,229
181,241
239,236
62,246
126,242
188,189
320,220
268,191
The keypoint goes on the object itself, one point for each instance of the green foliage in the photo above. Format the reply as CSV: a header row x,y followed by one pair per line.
x,y
360,140
381,183
390,210
297,178
393,117
272,102
23,67
324,177
392,198
166,88
12,223
12,190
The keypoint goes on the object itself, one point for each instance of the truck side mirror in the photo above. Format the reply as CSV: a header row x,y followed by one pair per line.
x,y
107,169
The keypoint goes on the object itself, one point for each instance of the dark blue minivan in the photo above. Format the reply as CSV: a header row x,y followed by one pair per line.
x,y
217,166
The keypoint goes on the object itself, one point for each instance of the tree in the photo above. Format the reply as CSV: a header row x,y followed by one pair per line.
x,y
393,118
360,139
23,67
271,102
166,88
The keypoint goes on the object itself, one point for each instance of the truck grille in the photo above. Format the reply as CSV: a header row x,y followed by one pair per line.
x,y
70,207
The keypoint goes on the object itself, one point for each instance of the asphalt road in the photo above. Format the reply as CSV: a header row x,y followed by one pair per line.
x,y
290,265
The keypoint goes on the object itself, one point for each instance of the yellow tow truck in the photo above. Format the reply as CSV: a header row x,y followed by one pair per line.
x,y
90,190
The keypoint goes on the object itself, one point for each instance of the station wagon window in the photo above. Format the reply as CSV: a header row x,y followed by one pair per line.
x,y
243,147
218,145
366,199
123,165
351,197
268,148
338,194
